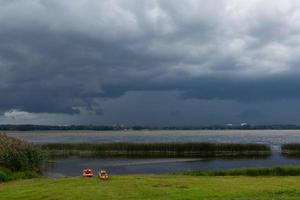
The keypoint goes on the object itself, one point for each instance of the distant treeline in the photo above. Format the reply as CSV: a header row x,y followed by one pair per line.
x,y
30,127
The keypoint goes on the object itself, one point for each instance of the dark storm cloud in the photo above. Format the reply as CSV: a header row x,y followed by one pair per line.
x,y
61,56
249,90
250,114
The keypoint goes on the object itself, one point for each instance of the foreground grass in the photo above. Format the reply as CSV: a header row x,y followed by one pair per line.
x,y
155,187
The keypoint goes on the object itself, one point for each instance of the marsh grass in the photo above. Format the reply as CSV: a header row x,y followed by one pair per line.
x,y
157,150
272,171
291,150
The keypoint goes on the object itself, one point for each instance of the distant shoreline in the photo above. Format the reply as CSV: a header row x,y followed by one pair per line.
x,y
31,127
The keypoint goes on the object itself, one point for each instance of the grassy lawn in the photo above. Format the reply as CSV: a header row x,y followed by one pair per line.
x,y
154,187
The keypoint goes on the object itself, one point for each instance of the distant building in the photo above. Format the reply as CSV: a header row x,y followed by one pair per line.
x,y
244,124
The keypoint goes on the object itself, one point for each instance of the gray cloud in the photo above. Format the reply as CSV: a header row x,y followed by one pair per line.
x,y
63,56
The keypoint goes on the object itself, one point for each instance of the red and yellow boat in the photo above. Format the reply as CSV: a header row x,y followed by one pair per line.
x,y
87,173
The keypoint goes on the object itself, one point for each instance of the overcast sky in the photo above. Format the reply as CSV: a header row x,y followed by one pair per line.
x,y
192,62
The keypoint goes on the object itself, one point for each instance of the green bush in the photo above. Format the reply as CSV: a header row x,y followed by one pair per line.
x,y
3,177
25,175
8,175
18,155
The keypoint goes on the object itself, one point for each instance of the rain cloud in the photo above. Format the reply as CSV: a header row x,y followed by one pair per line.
x,y
83,58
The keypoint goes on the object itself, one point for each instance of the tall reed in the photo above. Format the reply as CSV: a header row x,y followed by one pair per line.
x,y
291,149
158,149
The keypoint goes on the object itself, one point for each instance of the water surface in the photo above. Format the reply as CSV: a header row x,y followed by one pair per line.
x,y
74,165
270,137
123,166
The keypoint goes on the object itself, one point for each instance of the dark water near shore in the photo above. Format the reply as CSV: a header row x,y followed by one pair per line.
x,y
73,166
122,166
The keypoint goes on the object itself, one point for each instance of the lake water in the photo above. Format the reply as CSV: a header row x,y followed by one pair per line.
x,y
73,166
122,166
271,137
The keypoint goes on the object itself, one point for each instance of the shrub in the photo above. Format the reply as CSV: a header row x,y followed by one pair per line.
x,y
3,177
8,175
18,155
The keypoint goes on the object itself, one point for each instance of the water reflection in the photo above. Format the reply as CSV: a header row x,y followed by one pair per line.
x,y
121,166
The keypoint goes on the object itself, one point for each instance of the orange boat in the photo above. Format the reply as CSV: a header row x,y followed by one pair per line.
x,y
87,173
103,175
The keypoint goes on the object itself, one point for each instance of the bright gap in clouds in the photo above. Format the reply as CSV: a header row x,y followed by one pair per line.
x,y
17,114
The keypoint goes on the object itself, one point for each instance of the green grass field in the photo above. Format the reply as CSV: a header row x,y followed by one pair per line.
x,y
156,187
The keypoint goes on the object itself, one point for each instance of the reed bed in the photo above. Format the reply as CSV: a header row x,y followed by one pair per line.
x,y
291,149
268,171
157,150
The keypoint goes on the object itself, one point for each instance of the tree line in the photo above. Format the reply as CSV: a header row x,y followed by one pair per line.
x,y
32,127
